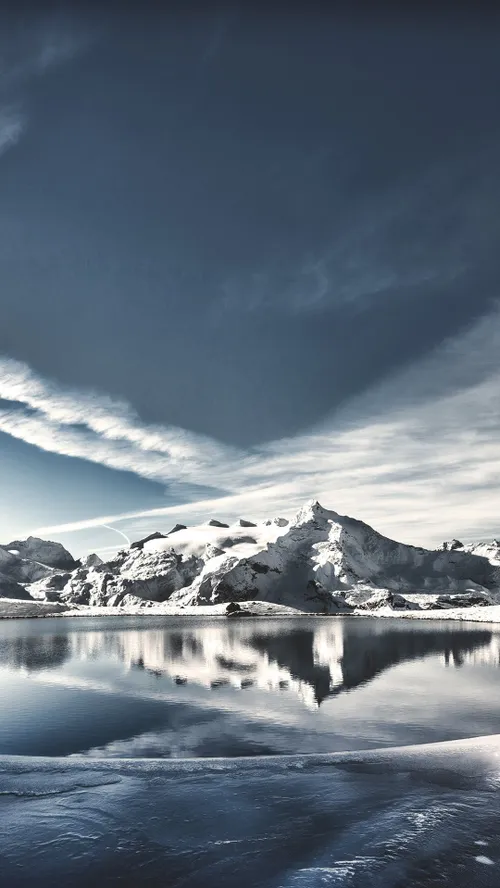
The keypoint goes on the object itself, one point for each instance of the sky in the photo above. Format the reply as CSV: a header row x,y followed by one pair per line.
x,y
249,257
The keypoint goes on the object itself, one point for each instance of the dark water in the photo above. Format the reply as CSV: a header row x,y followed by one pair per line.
x,y
113,690
159,687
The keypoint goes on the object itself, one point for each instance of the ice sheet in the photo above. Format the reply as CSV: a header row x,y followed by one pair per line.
x,y
414,816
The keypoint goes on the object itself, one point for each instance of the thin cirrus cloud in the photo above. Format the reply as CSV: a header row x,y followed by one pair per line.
x,y
30,51
425,234
27,53
419,467
12,125
99,429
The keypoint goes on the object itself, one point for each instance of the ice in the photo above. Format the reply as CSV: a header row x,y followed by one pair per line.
x,y
399,817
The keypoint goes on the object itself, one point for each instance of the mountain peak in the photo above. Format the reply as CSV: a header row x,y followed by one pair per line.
x,y
45,551
312,510
321,562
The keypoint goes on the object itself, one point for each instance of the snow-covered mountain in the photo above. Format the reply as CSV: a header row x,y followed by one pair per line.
x,y
42,551
319,562
23,562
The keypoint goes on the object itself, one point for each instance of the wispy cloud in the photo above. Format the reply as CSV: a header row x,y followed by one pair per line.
x,y
418,468
401,239
29,47
27,51
57,45
12,125
101,430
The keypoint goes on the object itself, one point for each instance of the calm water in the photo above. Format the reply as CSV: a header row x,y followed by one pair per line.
x,y
162,687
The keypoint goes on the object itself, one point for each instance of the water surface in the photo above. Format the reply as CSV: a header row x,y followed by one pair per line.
x,y
163,687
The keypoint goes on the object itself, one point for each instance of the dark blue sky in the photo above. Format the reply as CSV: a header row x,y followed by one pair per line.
x,y
256,225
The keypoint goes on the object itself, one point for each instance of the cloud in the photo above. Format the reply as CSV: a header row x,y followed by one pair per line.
x,y
403,239
31,51
12,126
417,456
30,47
419,478
55,47
99,429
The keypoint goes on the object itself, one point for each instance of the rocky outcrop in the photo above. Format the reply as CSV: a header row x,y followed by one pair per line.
x,y
392,600
176,528
10,589
92,560
139,544
450,546
469,599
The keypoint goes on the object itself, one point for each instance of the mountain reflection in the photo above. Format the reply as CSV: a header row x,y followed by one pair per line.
x,y
35,652
315,659
366,657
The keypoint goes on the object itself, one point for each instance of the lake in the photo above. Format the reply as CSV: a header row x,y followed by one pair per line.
x,y
186,687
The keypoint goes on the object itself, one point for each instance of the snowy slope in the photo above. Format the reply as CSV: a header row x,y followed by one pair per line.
x,y
491,551
318,562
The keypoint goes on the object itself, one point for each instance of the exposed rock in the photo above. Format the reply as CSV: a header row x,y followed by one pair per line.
x,y
243,523
450,546
399,602
470,599
93,560
326,602
131,600
234,610
176,528
22,570
212,551
57,581
157,575
52,595
261,568
384,598
229,542
214,523
10,589
139,544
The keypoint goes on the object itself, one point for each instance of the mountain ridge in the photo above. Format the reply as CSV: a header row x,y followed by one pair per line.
x,y
320,562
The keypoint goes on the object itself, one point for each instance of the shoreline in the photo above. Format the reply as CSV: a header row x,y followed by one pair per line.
x,y
15,609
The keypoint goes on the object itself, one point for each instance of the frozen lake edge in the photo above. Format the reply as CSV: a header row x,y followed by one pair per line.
x,y
412,816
